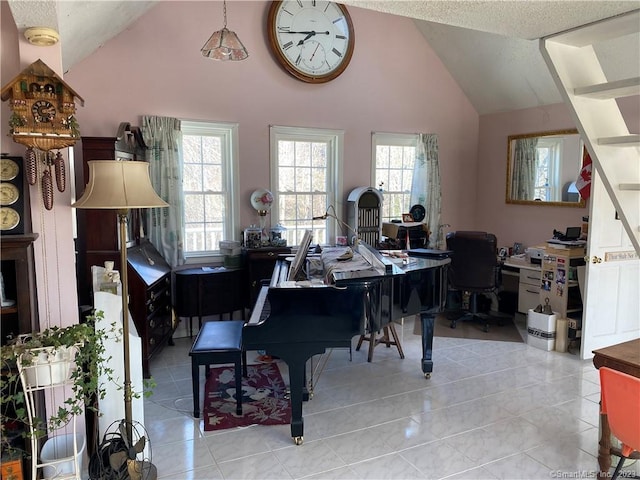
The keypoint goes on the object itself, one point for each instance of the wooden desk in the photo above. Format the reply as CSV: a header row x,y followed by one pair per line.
x,y
209,291
623,357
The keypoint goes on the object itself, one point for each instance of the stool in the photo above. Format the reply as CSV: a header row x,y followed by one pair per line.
x,y
389,337
216,343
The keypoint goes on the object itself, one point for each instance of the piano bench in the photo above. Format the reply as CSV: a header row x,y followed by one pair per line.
x,y
217,342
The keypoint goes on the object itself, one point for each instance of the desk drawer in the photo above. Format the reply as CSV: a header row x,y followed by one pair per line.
x,y
530,277
528,297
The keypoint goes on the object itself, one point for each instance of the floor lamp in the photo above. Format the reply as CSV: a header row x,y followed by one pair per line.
x,y
121,186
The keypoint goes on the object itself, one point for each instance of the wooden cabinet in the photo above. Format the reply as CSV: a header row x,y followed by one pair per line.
x,y
150,300
207,291
18,274
98,232
259,264
99,240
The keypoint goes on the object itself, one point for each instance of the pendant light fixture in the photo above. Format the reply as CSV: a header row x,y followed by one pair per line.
x,y
224,44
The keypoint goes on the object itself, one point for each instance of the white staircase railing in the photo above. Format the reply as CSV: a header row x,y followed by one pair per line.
x,y
582,81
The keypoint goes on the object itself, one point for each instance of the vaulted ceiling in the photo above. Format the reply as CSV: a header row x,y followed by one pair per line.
x,y
490,47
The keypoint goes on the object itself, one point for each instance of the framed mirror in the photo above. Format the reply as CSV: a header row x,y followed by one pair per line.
x,y
542,168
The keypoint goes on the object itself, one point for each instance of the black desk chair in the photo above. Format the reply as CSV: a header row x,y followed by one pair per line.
x,y
474,269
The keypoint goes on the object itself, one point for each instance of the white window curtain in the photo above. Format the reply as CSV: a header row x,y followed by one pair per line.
x,y
425,187
523,180
165,225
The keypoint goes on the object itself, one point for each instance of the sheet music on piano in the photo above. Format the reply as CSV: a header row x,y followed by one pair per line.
x,y
297,266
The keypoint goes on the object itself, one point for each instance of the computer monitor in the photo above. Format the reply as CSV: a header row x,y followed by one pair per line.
x,y
297,266
573,233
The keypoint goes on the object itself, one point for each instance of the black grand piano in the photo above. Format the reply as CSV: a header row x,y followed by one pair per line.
x,y
295,320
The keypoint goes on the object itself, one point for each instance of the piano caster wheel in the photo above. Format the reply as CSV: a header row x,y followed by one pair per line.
x,y
427,375
298,440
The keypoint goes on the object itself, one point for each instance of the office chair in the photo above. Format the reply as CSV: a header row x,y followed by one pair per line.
x,y
473,269
620,402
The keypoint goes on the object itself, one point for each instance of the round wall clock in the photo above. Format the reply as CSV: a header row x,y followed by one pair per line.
x,y
312,40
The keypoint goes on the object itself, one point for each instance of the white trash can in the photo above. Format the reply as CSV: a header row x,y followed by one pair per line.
x,y
58,452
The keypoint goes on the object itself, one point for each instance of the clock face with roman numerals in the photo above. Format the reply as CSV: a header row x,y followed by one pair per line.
x,y
312,39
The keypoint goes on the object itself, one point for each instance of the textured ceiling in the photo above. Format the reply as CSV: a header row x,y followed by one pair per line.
x,y
490,47
84,26
520,19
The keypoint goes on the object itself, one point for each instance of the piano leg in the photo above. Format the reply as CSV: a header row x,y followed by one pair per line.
x,y
427,319
296,384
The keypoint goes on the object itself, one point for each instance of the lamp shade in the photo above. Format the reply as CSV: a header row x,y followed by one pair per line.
x,y
119,185
224,45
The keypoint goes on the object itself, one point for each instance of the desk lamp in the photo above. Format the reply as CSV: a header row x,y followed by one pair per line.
x,y
121,186
331,213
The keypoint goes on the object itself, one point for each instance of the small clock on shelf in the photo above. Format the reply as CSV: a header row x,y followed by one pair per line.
x,y
14,199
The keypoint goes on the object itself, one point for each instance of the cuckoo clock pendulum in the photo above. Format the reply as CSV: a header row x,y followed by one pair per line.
x,y
42,119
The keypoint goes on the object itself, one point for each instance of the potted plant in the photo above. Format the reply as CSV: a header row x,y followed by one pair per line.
x,y
74,355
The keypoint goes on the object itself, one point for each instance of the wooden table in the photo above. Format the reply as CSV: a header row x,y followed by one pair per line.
x,y
623,357
209,291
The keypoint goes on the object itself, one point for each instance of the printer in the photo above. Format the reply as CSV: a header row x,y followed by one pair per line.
x,y
535,254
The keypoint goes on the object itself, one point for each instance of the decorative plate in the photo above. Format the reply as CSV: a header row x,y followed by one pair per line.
x,y
418,212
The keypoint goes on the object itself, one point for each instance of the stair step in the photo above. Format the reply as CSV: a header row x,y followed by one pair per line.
x,y
597,32
573,58
621,141
617,89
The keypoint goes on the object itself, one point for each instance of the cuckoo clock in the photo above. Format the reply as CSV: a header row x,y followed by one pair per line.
x,y
43,119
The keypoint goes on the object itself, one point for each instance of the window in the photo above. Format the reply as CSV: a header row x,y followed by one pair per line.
x,y
305,166
548,153
393,157
210,161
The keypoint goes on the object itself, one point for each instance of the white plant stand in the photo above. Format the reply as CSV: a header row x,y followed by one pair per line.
x,y
49,372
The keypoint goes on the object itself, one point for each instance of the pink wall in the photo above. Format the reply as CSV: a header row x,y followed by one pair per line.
x,y
155,67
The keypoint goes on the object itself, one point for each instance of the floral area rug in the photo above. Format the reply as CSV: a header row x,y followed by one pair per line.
x,y
263,398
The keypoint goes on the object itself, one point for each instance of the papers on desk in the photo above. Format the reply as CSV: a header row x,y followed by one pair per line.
x,y
566,243
566,247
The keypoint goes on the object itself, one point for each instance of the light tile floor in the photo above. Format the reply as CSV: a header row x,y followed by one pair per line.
x,y
491,410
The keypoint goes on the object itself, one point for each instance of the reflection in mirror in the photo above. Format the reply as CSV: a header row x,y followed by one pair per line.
x,y
542,168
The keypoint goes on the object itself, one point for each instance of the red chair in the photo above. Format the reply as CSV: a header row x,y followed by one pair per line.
x,y
620,401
